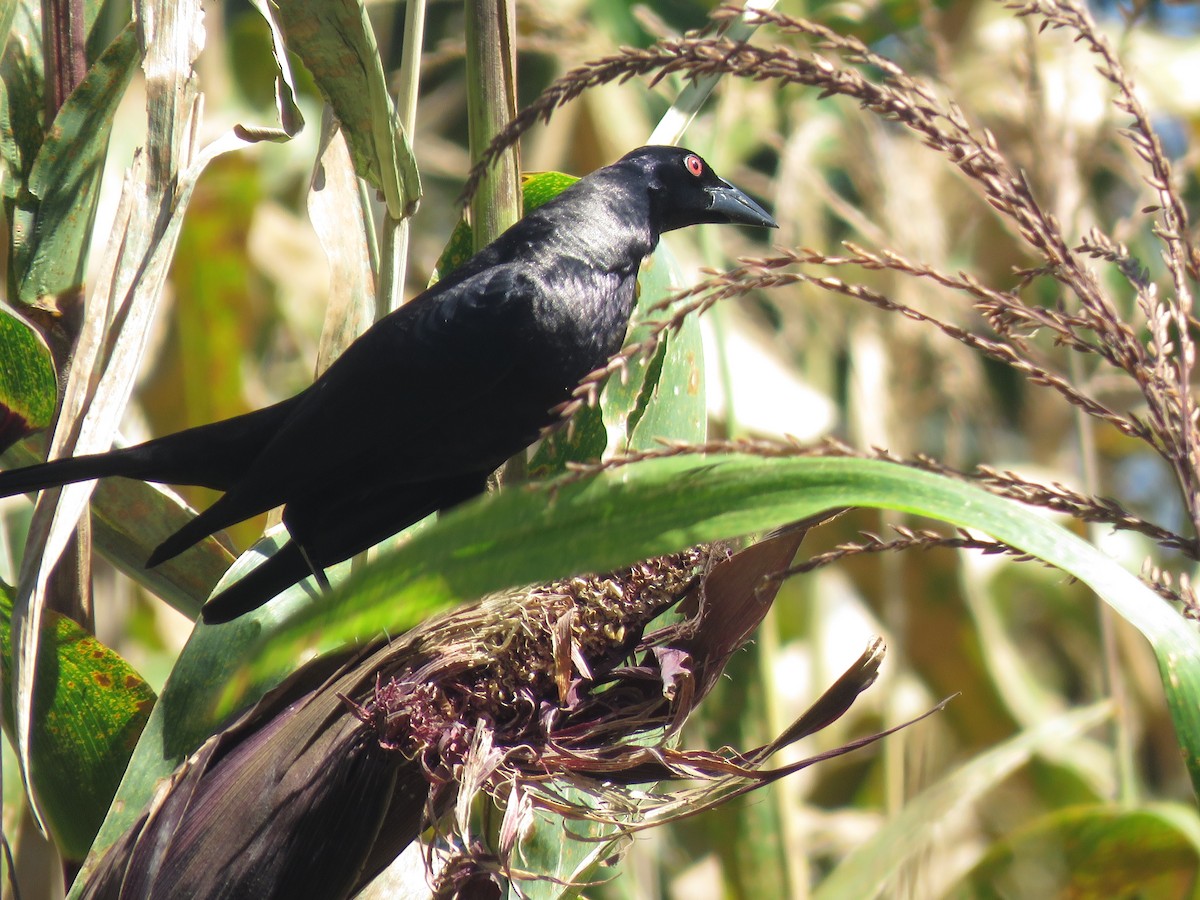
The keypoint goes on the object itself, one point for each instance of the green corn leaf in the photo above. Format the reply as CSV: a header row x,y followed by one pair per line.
x,y
27,384
52,224
89,710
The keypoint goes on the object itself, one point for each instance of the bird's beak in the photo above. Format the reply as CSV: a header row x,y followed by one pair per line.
x,y
736,207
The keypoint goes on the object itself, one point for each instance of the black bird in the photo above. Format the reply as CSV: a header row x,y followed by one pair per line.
x,y
425,404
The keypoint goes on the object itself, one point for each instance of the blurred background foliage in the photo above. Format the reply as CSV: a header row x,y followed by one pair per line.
x,y
1105,814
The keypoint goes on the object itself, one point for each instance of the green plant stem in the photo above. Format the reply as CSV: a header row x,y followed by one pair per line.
x,y
394,239
64,65
491,103
393,262
675,121
410,65
65,51
1114,685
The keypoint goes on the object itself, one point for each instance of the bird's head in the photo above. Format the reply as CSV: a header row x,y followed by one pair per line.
x,y
684,190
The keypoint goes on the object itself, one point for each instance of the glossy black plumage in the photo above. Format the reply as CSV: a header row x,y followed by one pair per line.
x,y
419,410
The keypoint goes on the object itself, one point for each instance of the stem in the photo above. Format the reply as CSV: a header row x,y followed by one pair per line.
x,y
676,119
393,262
64,65
1122,724
491,103
393,247
410,65
65,51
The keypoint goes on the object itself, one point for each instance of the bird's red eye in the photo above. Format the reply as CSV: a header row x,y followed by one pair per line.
x,y
694,165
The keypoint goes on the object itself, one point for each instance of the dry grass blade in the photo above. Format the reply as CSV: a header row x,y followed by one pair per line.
x,y
1164,374
1141,133
762,275
908,539
1182,595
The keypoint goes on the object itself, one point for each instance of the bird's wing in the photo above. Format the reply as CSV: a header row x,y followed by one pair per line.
x,y
420,376
399,406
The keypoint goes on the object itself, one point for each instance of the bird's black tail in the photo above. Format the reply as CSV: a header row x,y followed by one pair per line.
x,y
272,577
67,471
364,524
211,456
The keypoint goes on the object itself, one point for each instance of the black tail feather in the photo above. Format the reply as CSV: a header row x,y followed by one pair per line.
x,y
67,471
213,456
274,576
195,530
395,507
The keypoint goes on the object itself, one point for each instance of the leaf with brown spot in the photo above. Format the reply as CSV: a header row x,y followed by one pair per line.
x,y
89,709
